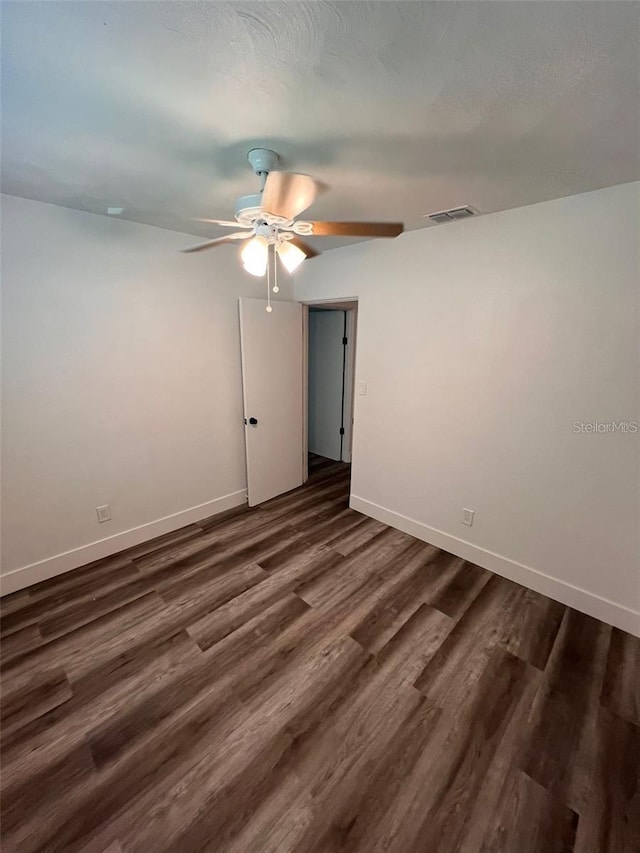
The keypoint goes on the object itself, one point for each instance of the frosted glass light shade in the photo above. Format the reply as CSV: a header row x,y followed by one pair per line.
x,y
290,255
255,256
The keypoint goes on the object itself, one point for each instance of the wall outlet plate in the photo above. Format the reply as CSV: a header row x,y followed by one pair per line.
x,y
467,517
103,513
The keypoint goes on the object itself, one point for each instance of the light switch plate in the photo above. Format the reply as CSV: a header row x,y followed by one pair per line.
x,y
362,388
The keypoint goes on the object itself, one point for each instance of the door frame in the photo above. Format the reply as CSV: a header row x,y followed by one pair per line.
x,y
350,305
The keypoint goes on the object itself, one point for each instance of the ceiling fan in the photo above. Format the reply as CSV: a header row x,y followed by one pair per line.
x,y
268,219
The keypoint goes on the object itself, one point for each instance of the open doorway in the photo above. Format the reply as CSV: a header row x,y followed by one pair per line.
x,y
331,347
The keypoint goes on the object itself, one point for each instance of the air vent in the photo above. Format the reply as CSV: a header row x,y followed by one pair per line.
x,y
440,217
450,215
460,213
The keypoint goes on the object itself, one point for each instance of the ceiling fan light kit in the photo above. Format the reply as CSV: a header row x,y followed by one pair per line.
x,y
268,218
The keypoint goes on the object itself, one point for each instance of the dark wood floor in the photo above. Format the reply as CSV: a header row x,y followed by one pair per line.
x,y
301,678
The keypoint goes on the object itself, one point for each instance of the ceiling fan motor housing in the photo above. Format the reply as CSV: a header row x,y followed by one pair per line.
x,y
249,210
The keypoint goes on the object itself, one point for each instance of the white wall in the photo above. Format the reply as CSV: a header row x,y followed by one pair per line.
x,y
121,385
326,368
481,343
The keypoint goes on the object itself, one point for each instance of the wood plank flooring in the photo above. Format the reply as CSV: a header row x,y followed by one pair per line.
x,y
299,677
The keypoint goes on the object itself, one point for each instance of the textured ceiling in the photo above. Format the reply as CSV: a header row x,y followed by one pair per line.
x,y
403,108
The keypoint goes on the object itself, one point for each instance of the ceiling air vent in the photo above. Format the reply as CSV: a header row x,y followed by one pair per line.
x,y
450,215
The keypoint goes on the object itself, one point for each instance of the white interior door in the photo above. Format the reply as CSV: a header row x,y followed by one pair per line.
x,y
272,380
326,378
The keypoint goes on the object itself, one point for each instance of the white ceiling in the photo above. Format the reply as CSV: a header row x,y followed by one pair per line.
x,y
403,108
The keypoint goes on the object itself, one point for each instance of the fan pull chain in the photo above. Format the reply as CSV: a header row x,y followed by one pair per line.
x,y
269,308
275,272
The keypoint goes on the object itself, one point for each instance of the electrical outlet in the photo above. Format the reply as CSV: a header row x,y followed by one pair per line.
x,y
467,517
103,513
362,388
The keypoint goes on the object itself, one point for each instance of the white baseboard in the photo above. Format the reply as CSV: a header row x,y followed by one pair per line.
x,y
60,563
580,599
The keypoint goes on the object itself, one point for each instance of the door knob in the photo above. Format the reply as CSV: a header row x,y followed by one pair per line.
x,y
253,421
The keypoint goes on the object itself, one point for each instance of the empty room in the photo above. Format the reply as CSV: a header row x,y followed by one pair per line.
x,y
320,426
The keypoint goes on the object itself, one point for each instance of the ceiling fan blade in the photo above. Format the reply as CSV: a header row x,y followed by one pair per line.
x,y
309,251
210,244
287,194
227,223
356,229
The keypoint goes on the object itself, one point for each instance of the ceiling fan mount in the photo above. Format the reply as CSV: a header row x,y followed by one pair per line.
x,y
263,160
